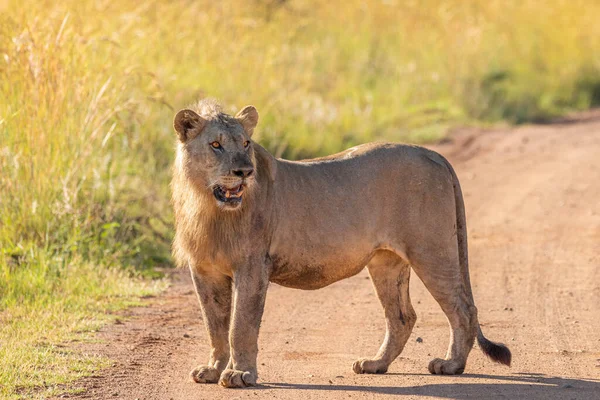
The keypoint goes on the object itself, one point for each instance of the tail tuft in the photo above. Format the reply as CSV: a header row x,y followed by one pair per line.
x,y
498,352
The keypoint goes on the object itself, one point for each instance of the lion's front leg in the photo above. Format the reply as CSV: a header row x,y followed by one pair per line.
x,y
250,290
214,293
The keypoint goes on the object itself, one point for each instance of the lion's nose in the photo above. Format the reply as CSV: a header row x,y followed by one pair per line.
x,y
243,172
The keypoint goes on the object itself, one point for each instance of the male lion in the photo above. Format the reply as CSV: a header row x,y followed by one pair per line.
x,y
245,218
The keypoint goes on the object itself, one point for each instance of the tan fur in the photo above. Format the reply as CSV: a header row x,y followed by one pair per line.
x,y
308,224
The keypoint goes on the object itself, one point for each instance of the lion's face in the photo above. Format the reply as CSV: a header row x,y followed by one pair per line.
x,y
218,153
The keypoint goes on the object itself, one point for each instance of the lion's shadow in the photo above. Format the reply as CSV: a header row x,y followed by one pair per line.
x,y
519,386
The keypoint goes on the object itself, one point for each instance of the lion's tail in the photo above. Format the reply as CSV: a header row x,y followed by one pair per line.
x,y
498,352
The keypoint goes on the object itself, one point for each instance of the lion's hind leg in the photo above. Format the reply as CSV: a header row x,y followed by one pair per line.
x,y
442,276
390,276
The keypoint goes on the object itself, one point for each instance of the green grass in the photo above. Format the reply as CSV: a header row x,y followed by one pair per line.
x,y
88,90
48,314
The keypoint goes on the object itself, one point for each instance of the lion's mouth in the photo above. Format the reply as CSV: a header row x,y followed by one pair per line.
x,y
230,196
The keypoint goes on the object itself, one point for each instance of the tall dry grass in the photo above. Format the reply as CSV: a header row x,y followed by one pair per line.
x,y
88,90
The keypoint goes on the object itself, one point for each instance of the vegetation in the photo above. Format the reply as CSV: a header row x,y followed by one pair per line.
x,y
88,90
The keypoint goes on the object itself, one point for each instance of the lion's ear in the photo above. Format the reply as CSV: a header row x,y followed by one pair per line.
x,y
248,117
188,124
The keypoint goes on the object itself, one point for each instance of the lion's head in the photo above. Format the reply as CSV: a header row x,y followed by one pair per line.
x,y
216,151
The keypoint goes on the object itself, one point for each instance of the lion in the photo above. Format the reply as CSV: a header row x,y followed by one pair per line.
x,y
245,218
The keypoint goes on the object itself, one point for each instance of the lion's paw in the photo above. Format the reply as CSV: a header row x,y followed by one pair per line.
x,y
231,378
205,374
437,366
368,366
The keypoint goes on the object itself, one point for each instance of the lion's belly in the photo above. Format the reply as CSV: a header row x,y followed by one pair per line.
x,y
299,273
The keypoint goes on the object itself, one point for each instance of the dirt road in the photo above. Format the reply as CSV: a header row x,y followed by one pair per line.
x,y
533,209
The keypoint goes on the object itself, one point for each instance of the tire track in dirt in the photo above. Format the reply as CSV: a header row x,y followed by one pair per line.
x,y
533,210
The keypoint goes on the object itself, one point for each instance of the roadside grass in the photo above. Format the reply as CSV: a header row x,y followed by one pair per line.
x,y
36,332
88,90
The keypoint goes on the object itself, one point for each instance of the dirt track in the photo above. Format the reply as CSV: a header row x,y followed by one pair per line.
x,y
533,209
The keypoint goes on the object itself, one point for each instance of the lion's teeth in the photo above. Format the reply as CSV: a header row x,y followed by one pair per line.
x,y
228,194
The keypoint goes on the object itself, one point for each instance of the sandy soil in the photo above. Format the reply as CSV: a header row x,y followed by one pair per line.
x,y
533,210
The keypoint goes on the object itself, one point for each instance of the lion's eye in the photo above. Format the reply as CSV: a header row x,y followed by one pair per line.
x,y
216,145
246,143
